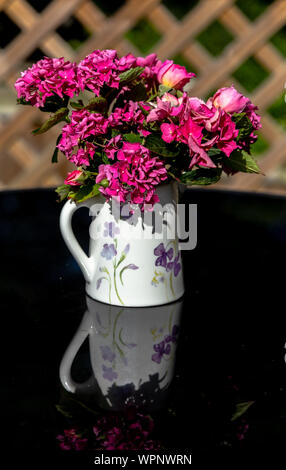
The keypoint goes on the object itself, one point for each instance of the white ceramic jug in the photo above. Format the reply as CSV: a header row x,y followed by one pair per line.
x,y
133,261
132,353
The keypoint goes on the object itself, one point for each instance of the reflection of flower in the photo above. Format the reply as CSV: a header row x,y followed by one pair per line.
x,y
164,347
131,432
177,265
173,336
108,251
163,255
70,440
160,349
109,373
107,353
110,229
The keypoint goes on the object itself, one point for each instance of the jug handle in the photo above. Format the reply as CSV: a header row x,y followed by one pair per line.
x,y
66,363
83,260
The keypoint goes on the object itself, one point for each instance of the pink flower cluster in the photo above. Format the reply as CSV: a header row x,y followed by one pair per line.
x,y
132,433
71,440
83,125
103,68
108,138
203,126
135,174
46,78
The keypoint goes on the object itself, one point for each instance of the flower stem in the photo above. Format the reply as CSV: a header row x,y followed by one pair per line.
x,y
171,284
115,286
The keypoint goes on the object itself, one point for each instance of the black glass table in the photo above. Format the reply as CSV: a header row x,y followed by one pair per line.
x,y
228,393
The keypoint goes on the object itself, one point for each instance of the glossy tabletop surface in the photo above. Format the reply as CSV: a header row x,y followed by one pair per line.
x,y
232,331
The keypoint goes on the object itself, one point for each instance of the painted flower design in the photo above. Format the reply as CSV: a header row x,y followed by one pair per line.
x,y
163,348
173,337
109,373
163,255
171,266
108,251
111,271
107,354
176,265
110,229
160,349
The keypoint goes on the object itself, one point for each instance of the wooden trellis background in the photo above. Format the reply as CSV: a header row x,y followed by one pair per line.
x,y
25,160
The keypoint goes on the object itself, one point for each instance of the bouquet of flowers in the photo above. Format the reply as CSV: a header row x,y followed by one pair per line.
x,y
129,125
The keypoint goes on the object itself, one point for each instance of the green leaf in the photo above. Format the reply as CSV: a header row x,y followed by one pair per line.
x,y
98,104
76,104
23,102
57,117
243,123
132,138
62,409
85,192
56,151
129,266
144,111
164,89
130,75
105,159
155,143
63,191
240,409
241,161
54,103
201,176
213,152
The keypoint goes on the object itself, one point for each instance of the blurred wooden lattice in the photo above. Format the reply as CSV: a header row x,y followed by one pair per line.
x,y
25,160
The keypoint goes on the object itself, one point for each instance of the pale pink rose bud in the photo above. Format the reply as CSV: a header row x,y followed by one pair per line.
x,y
73,177
230,100
173,76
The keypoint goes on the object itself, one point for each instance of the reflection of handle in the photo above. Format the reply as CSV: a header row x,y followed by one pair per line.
x,y
66,228
65,368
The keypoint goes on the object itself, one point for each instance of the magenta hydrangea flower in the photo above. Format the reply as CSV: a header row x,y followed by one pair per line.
x,y
71,440
132,431
48,77
83,125
135,173
103,67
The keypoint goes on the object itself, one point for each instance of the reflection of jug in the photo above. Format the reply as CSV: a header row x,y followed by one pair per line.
x,y
125,253
132,353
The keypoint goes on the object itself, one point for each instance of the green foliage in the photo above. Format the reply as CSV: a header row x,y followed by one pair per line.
x,y
240,409
98,104
201,176
63,191
130,75
241,161
155,143
86,191
58,116
56,151
243,123
132,138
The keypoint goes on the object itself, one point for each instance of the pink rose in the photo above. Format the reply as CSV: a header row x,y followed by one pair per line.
x,y
173,76
73,177
230,100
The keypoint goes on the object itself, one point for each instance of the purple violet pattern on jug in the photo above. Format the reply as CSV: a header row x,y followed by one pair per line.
x,y
109,252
